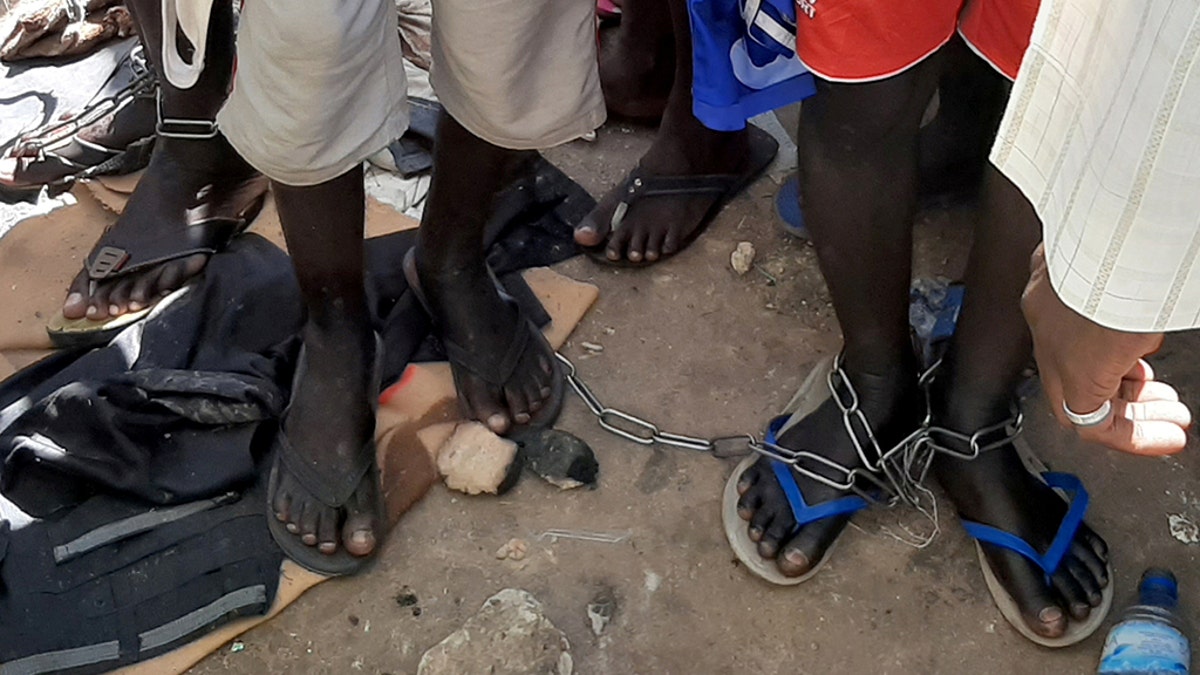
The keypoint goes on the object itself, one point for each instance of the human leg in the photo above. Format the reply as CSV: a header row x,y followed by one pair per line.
x,y
187,179
658,226
637,60
977,389
858,149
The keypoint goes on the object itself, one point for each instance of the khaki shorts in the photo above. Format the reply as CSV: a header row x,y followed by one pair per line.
x,y
320,85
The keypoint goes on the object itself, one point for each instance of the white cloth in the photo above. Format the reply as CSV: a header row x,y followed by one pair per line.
x,y
1102,134
319,87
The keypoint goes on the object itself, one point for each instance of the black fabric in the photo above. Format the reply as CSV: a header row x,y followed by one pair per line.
x,y
183,407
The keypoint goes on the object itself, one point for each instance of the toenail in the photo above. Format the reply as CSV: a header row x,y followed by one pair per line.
x,y
281,517
497,422
134,305
113,309
796,558
93,311
1050,614
361,537
293,528
309,539
522,418
327,547
74,298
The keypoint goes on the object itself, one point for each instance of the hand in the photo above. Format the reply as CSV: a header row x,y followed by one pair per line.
x,y
1086,364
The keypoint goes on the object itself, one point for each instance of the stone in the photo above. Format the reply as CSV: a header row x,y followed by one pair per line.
x,y
474,460
742,258
560,458
514,549
510,635
601,609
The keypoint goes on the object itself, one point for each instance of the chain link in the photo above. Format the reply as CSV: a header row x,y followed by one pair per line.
x,y
885,476
644,432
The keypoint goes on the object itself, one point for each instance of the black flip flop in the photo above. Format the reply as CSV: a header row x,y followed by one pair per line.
x,y
497,373
125,249
724,187
332,491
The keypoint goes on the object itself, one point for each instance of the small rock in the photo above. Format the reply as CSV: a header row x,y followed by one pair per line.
x,y
514,549
353,620
592,346
474,460
742,258
510,635
560,458
237,646
1183,529
406,598
600,610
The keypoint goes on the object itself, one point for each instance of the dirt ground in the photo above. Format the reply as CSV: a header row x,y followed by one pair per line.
x,y
703,351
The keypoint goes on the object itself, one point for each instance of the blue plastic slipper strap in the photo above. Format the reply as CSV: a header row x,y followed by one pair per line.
x,y
801,510
1053,557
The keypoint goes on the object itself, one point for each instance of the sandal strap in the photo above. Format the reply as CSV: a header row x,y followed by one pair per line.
x,y
805,513
639,185
111,259
495,372
1057,551
184,128
331,490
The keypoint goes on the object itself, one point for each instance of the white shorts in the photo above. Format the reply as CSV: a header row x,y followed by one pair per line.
x,y
320,85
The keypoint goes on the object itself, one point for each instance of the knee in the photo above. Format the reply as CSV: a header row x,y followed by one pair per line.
x,y
867,117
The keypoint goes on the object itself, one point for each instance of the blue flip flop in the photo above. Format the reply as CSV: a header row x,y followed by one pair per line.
x,y
1071,489
803,512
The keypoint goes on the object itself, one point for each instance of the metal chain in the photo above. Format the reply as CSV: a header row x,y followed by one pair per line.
x,y
885,476
644,432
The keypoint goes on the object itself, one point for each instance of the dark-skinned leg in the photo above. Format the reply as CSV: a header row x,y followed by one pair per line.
x,y
858,156
637,60
182,174
330,415
977,389
451,262
657,226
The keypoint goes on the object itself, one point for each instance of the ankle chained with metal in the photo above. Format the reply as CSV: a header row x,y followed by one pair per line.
x,y
885,477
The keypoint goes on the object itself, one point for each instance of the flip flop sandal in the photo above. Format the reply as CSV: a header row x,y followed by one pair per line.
x,y
1071,489
723,187
125,249
74,158
332,491
497,373
811,395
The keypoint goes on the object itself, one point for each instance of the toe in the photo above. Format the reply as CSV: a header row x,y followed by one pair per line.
x,y
654,245
518,404
358,533
807,549
635,251
747,480
1088,583
98,306
327,535
145,289
617,242
118,298
1073,596
482,406
76,304
309,516
588,232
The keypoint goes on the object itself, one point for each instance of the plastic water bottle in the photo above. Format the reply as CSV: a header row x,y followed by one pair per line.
x,y
1150,638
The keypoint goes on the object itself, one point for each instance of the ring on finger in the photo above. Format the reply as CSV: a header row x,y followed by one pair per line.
x,y
1094,418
